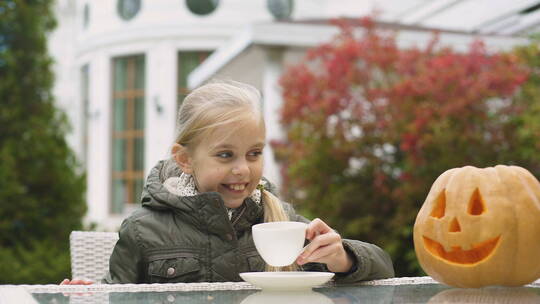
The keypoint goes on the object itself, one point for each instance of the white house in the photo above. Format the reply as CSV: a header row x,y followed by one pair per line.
x,y
123,66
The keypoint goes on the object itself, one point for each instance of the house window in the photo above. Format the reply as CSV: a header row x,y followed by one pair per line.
x,y
86,16
127,131
85,100
127,9
280,9
202,7
187,62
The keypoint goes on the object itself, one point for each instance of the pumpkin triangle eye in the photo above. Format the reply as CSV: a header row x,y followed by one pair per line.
x,y
440,205
476,204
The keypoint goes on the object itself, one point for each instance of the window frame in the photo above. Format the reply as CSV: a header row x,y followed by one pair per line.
x,y
130,133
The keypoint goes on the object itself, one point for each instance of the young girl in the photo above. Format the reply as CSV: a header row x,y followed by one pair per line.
x,y
198,206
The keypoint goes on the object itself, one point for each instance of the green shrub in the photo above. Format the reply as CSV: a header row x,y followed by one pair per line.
x,y
41,190
370,126
40,263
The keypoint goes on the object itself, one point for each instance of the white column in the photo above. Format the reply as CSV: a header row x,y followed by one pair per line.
x,y
272,102
160,102
99,139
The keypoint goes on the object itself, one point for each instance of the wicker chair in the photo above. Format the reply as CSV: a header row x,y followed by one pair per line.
x,y
90,252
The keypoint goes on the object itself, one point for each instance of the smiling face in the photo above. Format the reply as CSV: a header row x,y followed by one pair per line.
x,y
479,250
475,227
228,160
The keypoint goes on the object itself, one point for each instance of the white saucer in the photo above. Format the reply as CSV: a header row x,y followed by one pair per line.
x,y
286,280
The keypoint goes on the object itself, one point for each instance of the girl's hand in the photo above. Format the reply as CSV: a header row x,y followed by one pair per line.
x,y
325,247
75,282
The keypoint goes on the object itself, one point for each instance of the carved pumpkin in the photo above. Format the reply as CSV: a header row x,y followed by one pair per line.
x,y
481,227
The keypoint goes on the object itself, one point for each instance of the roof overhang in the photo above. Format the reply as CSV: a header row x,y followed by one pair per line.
x,y
307,35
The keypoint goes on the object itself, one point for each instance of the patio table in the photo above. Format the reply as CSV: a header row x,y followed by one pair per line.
x,y
396,290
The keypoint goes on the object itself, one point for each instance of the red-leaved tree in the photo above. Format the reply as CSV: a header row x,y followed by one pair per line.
x,y
369,127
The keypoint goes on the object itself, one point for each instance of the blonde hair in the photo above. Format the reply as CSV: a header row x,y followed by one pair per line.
x,y
220,103
213,105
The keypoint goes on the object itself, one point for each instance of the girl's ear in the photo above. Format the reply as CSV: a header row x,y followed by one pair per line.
x,y
181,156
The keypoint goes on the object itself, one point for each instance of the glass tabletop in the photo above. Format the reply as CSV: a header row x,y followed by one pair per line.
x,y
414,293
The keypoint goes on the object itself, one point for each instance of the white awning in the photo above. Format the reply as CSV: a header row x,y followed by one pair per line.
x,y
245,45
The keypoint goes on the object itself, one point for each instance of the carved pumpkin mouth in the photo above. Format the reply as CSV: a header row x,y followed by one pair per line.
x,y
478,253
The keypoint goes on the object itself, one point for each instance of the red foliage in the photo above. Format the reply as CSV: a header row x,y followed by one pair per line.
x,y
370,126
384,87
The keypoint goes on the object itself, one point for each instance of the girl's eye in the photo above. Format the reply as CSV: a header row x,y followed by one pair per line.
x,y
225,154
255,154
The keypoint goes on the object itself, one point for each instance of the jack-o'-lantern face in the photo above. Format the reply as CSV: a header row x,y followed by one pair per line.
x,y
479,249
476,223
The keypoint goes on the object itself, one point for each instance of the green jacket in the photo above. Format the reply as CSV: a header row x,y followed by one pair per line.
x,y
191,239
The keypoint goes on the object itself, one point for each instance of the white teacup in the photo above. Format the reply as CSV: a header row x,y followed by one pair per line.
x,y
279,243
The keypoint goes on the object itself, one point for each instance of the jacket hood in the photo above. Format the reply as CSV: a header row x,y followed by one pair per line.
x,y
207,207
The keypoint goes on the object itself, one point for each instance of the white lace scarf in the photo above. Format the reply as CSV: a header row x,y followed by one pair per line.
x,y
184,185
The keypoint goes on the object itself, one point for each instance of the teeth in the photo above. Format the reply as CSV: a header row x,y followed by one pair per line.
x,y
237,187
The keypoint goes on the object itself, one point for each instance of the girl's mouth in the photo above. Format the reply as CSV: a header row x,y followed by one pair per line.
x,y
235,187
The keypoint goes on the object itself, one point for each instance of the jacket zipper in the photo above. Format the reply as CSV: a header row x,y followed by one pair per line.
x,y
239,216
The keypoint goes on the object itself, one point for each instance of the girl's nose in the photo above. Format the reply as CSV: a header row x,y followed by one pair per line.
x,y
240,168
